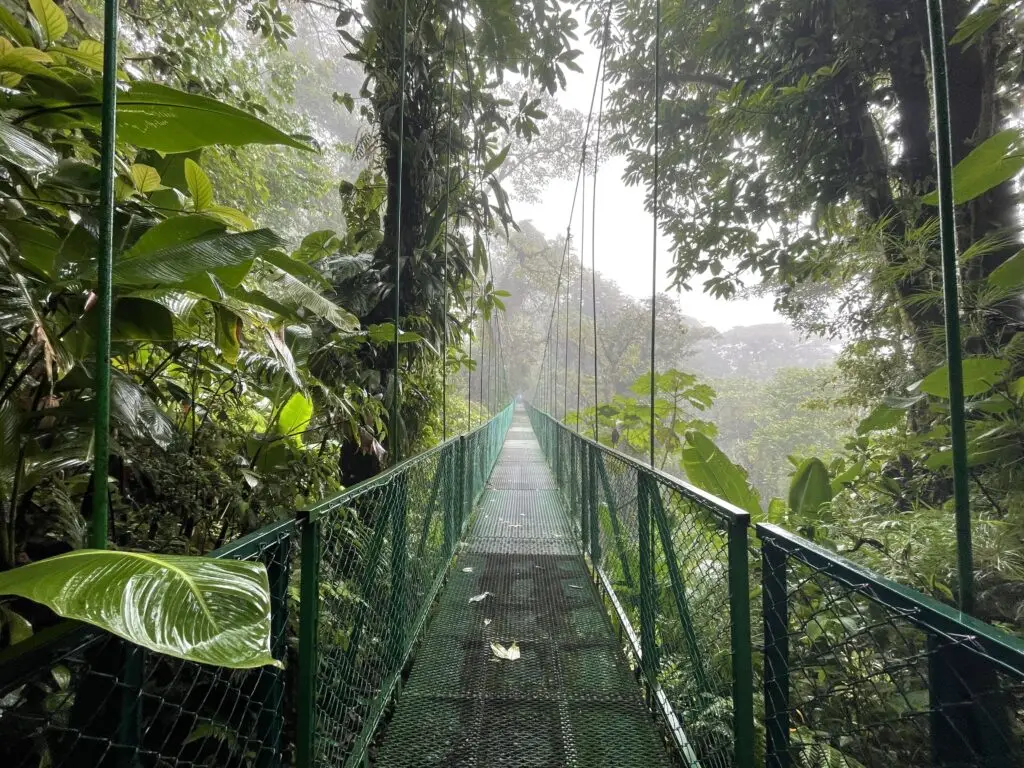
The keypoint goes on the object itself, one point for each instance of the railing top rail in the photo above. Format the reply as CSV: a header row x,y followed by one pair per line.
x,y
345,495
927,613
728,513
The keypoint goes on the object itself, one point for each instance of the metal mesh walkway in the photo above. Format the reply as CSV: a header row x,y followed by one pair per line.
x,y
570,699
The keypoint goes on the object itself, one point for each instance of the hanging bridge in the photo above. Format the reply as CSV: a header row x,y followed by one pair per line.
x,y
524,596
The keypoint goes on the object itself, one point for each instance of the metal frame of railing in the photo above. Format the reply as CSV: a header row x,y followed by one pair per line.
x,y
73,695
854,669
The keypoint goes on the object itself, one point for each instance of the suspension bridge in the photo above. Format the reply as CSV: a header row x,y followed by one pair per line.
x,y
523,595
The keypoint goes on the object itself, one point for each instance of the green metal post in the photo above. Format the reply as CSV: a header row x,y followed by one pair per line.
x,y
575,477
595,528
270,681
742,652
396,449
104,274
951,301
648,594
398,618
309,613
584,500
774,593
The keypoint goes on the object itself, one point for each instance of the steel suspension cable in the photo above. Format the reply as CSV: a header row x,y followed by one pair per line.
x,y
593,220
553,320
579,335
654,245
565,362
447,213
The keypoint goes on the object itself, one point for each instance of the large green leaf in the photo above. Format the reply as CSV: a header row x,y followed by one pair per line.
x,y
22,150
291,291
295,416
709,468
175,264
980,375
51,19
890,413
1010,274
156,117
997,159
810,487
193,608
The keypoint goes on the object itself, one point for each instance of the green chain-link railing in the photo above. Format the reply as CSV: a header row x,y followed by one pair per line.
x,y
853,671
673,562
354,577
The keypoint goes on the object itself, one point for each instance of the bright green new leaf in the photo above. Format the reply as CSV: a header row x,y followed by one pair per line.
x,y
193,608
171,232
1010,274
145,178
995,160
980,375
89,53
233,217
295,416
51,19
810,487
199,186
384,333
709,468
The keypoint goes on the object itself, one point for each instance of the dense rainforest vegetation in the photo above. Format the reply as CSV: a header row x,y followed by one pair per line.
x,y
257,226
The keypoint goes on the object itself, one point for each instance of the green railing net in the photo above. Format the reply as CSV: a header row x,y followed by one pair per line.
x,y
842,667
351,581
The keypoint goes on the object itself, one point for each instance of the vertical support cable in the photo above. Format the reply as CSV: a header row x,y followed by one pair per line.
x,y
565,356
950,294
654,246
105,266
583,229
472,318
396,448
593,222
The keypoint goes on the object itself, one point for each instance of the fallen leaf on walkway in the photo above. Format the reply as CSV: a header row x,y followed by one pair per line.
x,y
479,598
511,653
575,586
467,569
487,622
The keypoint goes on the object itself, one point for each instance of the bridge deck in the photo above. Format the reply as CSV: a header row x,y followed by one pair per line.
x,y
570,699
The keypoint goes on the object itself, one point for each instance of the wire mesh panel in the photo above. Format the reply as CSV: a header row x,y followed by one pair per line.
x,y
73,696
569,698
862,671
383,550
675,561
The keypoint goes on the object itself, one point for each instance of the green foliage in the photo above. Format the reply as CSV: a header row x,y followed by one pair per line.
x,y
710,469
193,608
993,162
810,489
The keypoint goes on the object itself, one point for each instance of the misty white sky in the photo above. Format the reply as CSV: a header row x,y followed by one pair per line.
x,y
621,254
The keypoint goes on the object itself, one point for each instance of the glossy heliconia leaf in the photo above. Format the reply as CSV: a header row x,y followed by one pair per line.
x,y
194,608
134,411
157,117
51,19
810,487
711,470
295,268
997,159
295,416
173,231
22,150
1010,274
177,263
291,291
980,375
